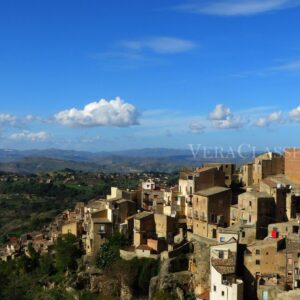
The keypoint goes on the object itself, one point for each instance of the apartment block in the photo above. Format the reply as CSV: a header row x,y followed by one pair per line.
x,y
211,209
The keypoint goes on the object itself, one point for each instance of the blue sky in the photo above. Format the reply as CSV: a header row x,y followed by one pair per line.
x,y
111,75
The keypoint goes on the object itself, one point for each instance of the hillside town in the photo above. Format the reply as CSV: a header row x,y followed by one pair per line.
x,y
236,226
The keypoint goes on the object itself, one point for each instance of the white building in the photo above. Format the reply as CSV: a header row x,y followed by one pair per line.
x,y
148,185
224,283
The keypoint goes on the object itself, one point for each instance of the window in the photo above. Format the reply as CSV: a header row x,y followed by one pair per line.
x,y
290,273
243,234
215,288
212,217
290,261
222,239
257,252
221,254
250,203
223,293
249,218
295,229
257,262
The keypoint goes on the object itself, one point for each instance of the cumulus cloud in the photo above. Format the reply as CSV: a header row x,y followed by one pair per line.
x,y
295,114
115,113
236,7
230,123
8,119
220,113
222,118
197,127
29,136
160,44
274,117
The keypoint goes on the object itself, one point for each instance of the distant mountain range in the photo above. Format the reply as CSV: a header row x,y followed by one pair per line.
x,y
136,160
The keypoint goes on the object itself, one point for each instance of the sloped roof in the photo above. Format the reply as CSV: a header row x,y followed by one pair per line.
x,y
212,191
142,215
225,266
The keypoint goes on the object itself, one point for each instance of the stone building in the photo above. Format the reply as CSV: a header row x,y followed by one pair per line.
x,y
286,194
192,181
258,209
153,229
247,174
288,229
227,168
211,209
98,226
264,165
144,228
153,200
292,164
264,260
244,233
74,228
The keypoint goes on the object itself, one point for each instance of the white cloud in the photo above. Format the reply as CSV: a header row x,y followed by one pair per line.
x,y
90,140
32,118
160,44
220,112
197,127
8,119
295,114
236,7
290,66
29,136
274,117
222,118
230,123
102,113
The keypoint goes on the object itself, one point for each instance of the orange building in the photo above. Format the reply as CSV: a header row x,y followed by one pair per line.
x,y
292,164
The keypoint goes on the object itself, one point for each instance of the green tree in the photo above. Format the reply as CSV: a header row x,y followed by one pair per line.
x,y
148,269
66,253
110,251
47,265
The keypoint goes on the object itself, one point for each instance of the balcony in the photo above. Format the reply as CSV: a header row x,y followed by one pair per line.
x,y
243,221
